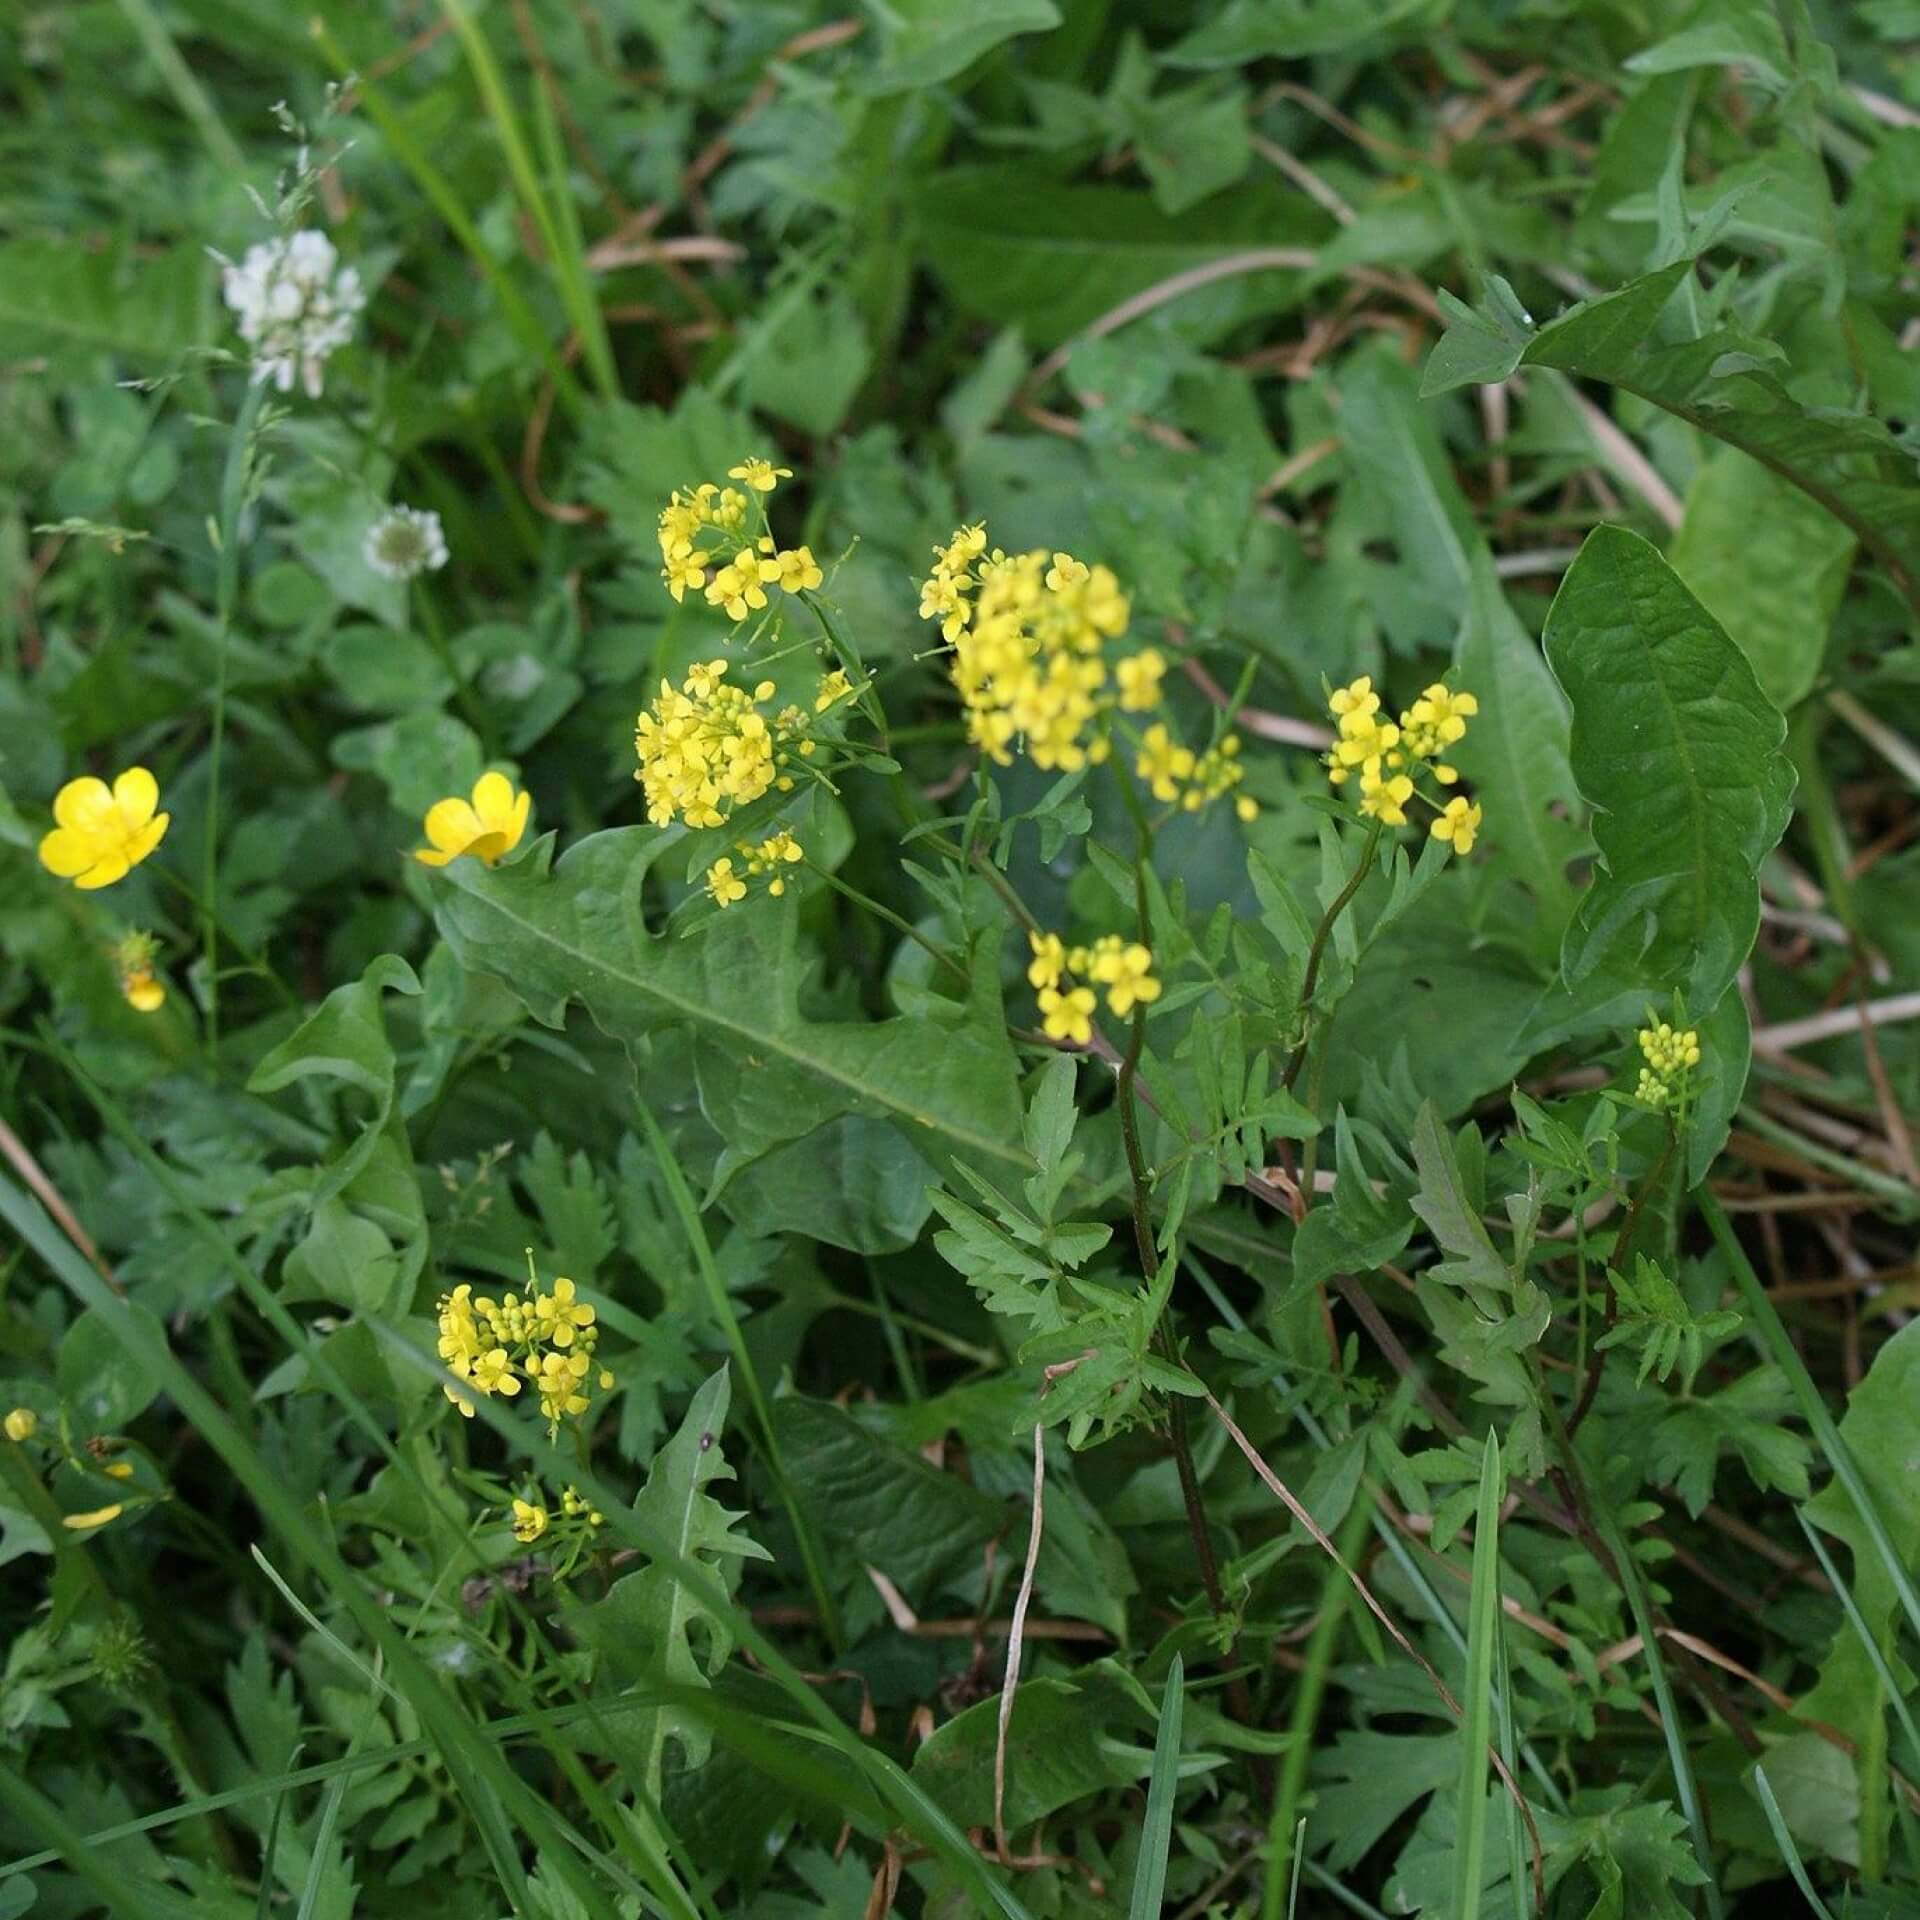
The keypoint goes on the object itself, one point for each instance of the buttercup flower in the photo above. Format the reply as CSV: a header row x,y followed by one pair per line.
x,y
1458,822
22,1424
103,833
294,309
489,825
529,1522
405,541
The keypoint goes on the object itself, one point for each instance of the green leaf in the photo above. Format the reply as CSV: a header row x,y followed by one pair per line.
x,y
1769,564
1293,29
1051,259
856,1182
1745,35
1156,1834
1062,1746
1744,1420
102,1384
20,1534
929,41
877,1505
580,932
1359,1230
1679,753
1518,748
345,1039
1368,1781
1726,382
645,1625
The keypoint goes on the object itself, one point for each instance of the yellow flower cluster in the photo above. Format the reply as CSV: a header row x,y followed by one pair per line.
x,y
726,883
1671,1055
1026,631
102,833
707,527
1180,777
1390,758
133,959
1123,967
546,1339
531,1519
706,747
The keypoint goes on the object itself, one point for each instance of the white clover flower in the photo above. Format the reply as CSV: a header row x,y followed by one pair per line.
x,y
295,305
405,541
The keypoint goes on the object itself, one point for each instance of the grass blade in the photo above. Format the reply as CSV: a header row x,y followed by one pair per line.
x,y
1483,1614
1156,1837
1783,1839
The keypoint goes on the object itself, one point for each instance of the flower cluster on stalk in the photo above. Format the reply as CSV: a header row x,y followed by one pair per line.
x,y
715,541
1059,975
295,305
1391,759
1671,1054
544,1340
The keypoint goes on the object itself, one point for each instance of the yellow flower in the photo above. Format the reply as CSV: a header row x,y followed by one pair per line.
x,y
1125,969
559,1314
1457,824
133,962
85,1522
1669,1052
1247,808
761,475
797,569
1358,701
22,1424
1384,799
1069,1015
493,1373
776,851
707,748
1139,676
489,825
103,833
834,687
1163,763
684,571
1436,720
529,1522
118,1469
724,885
1049,960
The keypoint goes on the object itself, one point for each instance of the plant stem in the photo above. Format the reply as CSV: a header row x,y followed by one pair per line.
x,y
1311,978
898,922
463,695
233,498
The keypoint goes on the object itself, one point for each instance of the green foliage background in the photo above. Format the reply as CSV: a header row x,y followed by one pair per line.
x,y
1520,1516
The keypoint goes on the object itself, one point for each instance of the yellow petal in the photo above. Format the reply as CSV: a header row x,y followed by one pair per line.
x,y
136,793
149,837
430,857
521,808
110,867
490,846
493,800
81,1522
452,825
66,852
84,805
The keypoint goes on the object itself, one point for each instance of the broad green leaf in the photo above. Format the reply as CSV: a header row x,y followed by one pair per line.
x,y
1728,383
1769,564
878,1505
580,932
1516,751
102,1385
856,1182
1744,35
1064,1743
645,1625
20,1534
1367,1781
929,41
1050,259
1679,753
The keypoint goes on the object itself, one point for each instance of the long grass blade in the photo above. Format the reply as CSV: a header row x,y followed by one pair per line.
x,y
1156,1836
1483,1613
1783,1839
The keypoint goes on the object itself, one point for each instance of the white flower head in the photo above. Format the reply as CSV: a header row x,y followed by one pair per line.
x,y
295,305
405,541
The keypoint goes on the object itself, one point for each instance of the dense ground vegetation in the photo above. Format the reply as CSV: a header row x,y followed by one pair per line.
x,y
960,958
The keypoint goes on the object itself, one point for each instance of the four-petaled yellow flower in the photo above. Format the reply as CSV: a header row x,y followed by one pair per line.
x,y
1139,676
1458,822
489,825
1125,969
529,1522
834,687
22,1424
724,885
798,569
1049,960
1067,1016
560,1314
103,833
761,475
1384,797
